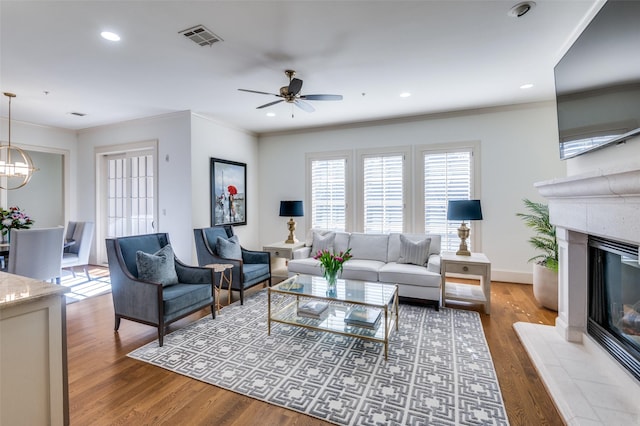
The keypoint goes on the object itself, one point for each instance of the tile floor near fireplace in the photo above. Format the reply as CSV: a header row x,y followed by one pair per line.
x,y
587,385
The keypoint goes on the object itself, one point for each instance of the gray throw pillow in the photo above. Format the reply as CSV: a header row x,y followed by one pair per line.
x,y
322,242
229,248
416,253
158,267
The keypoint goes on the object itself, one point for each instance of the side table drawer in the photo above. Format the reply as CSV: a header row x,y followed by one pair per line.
x,y
278,252
458,268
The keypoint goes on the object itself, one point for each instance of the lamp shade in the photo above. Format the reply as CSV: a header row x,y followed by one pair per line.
x,y
291,208
464,210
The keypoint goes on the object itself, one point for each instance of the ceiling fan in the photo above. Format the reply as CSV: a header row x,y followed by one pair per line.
x,y
291,94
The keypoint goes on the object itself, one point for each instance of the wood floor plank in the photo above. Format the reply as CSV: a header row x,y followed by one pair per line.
x,y
106,387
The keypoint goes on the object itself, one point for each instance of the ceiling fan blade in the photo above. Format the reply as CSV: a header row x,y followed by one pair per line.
x,y
255,91
295,86
304,105
322,97
270,103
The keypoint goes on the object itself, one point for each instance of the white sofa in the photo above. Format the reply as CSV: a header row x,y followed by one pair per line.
x,y
376,258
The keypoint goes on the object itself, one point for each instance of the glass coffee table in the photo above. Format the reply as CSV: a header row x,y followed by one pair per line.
x,y
366,310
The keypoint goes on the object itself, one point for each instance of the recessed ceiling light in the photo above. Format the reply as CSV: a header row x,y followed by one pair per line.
x,y
526,86
271,114
521,9
108,35
405,94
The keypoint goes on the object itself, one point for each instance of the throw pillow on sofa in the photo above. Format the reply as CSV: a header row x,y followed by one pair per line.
x,y
229,248
322,242
416,253
158,267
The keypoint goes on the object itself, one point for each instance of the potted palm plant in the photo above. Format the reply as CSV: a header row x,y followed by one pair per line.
x,y
545,267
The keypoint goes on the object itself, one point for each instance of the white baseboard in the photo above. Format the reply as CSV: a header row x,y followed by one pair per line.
x,y
512,276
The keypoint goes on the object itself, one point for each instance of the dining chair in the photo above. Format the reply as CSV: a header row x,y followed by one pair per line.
x,y
80,235
36,253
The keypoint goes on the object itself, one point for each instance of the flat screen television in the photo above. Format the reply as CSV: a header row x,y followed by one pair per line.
x,y
598,82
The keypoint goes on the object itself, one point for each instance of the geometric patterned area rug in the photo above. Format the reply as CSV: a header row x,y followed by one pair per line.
x,y
439,370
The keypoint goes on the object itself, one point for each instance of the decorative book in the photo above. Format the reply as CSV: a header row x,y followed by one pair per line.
x,y
312,309
363,317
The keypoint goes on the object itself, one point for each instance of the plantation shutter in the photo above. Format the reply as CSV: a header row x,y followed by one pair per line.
x,y
447,176
383,194
328,194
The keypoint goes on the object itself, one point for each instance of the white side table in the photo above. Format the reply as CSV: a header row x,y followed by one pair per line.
x,y
281,250
476,265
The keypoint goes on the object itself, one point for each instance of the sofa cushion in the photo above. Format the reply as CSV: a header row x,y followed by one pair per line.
x,y
415,253
307,266
322,242
158,267
369,246
397,273
361,269
229,248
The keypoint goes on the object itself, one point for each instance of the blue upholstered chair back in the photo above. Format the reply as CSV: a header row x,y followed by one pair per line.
x,y
149,243
212,234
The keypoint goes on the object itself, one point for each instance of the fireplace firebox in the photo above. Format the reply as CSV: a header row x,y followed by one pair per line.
x,y
614,300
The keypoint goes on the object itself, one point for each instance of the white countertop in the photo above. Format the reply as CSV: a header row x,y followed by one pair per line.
x,y
15,290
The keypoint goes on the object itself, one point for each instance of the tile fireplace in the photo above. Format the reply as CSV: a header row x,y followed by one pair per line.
x,y
588,384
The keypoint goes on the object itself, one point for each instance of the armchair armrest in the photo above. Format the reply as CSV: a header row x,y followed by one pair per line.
x,y
253,256
433,265
302,253
191,274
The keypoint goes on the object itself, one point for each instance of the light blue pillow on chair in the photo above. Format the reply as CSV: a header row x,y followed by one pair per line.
x,y
229,248
158,267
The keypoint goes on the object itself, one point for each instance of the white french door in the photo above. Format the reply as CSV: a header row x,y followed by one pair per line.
x,y
127,203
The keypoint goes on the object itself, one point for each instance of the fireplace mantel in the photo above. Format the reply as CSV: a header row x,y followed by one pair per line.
x,y
586,383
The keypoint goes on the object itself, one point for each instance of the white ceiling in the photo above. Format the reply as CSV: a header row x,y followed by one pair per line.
x,y
450,55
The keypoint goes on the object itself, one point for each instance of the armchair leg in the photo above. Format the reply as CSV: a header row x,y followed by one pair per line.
x,y
160,335
117,325
242,296
213,311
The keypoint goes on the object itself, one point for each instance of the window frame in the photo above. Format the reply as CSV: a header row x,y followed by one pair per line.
x,y
475,234
407,210
327,156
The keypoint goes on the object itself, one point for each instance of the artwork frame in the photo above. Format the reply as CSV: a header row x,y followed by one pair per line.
x,y
228,192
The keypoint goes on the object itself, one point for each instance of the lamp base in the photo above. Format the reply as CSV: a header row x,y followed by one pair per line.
x,y
291,239
463,233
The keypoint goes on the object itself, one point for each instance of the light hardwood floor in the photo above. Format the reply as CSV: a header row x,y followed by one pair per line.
x,y
107,387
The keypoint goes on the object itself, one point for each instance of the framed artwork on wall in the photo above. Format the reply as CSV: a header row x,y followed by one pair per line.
x,y
228,192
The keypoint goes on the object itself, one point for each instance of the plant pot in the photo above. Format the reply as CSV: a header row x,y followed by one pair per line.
x,y
545,286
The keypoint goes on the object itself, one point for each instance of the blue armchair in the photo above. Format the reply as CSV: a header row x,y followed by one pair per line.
x,y
254,267
149,302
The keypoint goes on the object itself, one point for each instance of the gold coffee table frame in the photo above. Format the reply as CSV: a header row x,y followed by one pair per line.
x,y
301,288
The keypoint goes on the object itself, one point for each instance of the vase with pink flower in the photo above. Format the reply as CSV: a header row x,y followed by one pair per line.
x,y
13,218
332,264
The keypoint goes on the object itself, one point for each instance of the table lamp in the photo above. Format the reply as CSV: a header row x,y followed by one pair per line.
x,y
464,210
291,209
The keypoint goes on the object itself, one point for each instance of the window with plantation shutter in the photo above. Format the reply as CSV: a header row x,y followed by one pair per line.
x,y
328,193
383,189
447,176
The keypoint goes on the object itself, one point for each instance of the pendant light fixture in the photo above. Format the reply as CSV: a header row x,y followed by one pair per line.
x,y
16,166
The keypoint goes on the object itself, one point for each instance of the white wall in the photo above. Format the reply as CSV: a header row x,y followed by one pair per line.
x,y
186,141
34,137
518,147
173,133
211,139
612,156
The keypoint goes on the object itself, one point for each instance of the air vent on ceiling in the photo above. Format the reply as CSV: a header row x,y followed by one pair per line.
x,y
200,35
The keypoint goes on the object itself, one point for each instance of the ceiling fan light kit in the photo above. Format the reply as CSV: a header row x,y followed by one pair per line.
x,y
291,94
